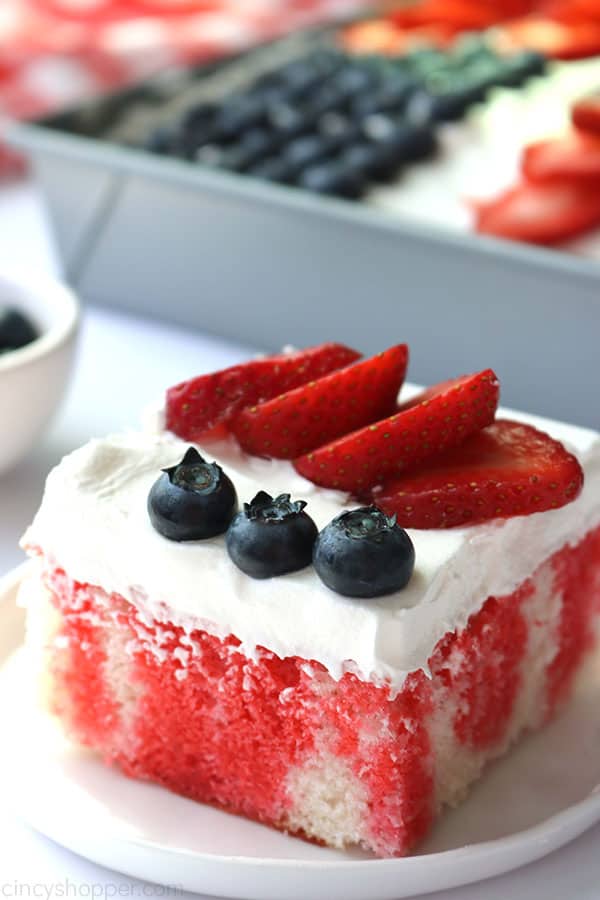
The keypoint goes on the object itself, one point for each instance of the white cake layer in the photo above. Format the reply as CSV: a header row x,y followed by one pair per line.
x,y
480,156
93,522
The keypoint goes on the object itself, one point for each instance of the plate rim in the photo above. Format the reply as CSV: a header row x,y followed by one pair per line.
x,y
529,844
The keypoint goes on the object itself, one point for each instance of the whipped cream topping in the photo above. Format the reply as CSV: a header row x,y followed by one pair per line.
x,y
93,522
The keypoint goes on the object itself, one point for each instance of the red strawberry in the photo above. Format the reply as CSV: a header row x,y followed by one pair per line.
x,y
573,157
431,423
461,15
542,213
508,469
559,40
320,411
203,406
585,114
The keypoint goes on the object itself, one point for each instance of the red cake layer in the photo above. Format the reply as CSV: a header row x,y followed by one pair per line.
x,y
278,740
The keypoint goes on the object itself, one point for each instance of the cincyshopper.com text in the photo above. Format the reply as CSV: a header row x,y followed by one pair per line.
x,y
70,890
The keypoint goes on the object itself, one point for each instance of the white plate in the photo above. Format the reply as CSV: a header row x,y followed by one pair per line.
x,y
539,798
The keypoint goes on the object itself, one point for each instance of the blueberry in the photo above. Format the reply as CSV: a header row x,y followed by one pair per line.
x,y
253,146
336,126
286,120
237,115
427,107
192,501
197,121
305,151
334,178
363,553
162,141
300,77
271,536
382,158
273,169
353,80
211,155
16,330
392,96
328,99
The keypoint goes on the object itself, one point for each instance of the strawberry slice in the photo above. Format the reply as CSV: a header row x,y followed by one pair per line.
x,y
202,407
559,40
585,114
574,157
461,15
508,469
311,415
440,418
540,213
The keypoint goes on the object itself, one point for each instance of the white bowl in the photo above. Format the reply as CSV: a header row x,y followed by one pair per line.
x,y
33,379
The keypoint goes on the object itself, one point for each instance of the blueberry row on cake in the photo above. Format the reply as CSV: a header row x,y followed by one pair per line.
x,y
333,123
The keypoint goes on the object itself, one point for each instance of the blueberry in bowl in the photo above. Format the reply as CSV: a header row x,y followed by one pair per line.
x,y
16,329
38,328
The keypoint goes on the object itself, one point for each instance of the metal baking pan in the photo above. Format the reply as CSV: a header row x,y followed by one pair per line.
x,y
270,265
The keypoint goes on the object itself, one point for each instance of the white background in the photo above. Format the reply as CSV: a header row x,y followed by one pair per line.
x,y
124,363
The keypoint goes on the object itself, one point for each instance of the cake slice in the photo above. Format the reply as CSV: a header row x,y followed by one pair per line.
x,y
348,720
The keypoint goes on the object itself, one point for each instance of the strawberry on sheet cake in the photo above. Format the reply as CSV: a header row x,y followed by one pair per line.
x,y
313,604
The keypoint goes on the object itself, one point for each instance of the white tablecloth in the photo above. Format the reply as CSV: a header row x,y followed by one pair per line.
x,y
124,363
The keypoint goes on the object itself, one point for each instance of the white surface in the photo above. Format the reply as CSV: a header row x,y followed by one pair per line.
x,y
538,798
106,484
121,362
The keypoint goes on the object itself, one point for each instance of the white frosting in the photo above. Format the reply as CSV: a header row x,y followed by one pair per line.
x,y
480,156
93,522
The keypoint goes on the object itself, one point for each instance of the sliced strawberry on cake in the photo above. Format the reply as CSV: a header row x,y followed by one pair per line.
x,y
540,213
585,114
431,423
574,157
203,407
507,469
300,420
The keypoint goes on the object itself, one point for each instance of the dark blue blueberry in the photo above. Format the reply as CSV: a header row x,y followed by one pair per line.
x,y
271,536
300,77
192,501
273,169
286,120
305,151
253,146
163,141
426,107
211,155
326,61
237,115
197,120
352,81
328,99
392,96
334,178
391,148
363,553
16,330
362,158
336,126
378,127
